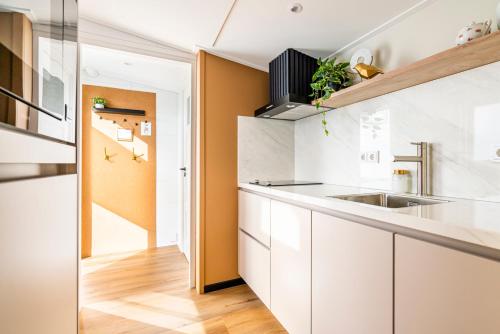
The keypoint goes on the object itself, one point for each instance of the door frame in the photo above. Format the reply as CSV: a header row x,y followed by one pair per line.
x,y
95,34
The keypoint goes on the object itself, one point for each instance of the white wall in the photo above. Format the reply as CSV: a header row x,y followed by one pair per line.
x,y
429,30
459,115
451,113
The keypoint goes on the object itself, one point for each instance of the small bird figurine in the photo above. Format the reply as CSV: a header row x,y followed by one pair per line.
x,y
367,71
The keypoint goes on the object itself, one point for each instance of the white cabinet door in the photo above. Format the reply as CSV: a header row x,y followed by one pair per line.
x,y
291,267
254,266
352,282
39,256
443,291
254,216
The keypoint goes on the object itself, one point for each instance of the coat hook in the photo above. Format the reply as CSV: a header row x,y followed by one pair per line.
x,y
106,155
135,157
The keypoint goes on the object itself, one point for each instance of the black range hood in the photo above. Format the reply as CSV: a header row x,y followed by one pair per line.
x,y
289,87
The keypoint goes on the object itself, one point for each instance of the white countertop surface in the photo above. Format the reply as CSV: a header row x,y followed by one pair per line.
x,y
475,222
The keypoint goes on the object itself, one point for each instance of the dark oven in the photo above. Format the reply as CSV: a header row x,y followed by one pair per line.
x,y
38,66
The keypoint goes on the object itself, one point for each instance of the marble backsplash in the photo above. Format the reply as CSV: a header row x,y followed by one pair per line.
x,y
265,149
459,115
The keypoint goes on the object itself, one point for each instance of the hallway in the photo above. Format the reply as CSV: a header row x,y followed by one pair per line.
x,y
147,292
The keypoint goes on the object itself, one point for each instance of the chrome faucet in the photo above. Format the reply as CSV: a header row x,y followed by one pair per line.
x,y
422,158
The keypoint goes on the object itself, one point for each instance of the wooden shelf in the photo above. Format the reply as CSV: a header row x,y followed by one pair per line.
x,y
479,52
119,111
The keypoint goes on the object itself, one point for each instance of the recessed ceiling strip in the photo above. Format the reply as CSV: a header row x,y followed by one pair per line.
x,y
219,33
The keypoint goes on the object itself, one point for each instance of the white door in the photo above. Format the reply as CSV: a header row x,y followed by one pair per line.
x,y
185,172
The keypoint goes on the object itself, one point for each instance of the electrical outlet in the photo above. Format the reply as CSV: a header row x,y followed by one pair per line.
x,y
371,156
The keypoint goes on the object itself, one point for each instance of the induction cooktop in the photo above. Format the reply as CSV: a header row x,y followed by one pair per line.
x,y
283,183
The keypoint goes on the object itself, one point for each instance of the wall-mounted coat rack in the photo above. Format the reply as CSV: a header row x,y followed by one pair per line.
x,y
119,111
136,157
108,156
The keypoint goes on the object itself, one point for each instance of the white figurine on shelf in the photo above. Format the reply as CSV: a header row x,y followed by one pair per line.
x,y
473,31
498,16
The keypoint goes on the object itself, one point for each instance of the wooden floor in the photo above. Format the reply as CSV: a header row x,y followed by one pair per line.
x,y
147,292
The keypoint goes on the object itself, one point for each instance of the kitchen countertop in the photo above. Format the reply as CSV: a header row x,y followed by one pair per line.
x,y
473,223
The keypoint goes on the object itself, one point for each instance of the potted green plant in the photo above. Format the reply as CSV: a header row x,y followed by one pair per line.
x,y
329,78
98,102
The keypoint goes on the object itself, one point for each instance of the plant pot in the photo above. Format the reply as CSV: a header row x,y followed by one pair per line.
x,y
99,106
335,86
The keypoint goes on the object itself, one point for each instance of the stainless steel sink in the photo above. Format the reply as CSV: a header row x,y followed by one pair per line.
x,y
389,200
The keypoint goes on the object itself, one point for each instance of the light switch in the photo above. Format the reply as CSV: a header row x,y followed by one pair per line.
x,y
146,128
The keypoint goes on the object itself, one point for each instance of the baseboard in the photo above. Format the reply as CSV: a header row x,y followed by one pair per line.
x,y
224,285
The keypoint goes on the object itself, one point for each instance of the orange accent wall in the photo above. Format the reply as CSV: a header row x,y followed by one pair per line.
x,y
226,90
122,190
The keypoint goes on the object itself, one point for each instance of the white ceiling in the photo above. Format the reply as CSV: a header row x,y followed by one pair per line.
x,y
255,31
129,70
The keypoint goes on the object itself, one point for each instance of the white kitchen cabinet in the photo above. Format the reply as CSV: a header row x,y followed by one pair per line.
x,y
254,216
352,267
254,266
291,267
39,256
443,291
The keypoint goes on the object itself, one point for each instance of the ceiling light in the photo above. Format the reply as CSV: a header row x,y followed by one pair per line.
x,y
296,8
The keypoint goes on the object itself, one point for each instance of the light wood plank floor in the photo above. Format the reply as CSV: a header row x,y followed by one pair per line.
x,y
147,292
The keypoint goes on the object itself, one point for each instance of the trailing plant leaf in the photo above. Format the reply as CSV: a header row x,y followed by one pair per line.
x,y
324,124
329,78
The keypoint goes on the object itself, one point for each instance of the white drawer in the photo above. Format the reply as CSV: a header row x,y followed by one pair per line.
x,y
254,266
34,149
254,216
